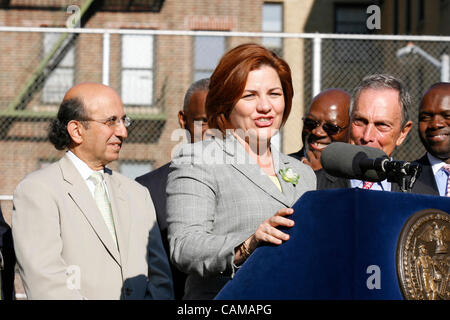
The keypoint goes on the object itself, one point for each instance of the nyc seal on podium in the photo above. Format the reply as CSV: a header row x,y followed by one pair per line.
x,y
423,256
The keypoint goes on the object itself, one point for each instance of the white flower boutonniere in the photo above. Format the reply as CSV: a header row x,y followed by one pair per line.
x,y
289,175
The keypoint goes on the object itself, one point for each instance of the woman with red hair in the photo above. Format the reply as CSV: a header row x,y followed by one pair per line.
x,y
228,194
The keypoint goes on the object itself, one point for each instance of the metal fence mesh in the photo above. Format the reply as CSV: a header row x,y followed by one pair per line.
x,y
151,71
346,62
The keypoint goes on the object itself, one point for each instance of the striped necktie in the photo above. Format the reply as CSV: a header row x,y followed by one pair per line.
x,y
446,169
103,204
367,185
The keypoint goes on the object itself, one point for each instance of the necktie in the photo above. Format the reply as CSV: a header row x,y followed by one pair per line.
x,y
103,204
367,185
446,169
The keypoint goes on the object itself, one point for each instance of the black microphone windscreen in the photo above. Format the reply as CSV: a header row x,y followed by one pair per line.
x,y
341,159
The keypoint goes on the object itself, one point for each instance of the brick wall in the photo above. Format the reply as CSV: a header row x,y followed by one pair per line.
x,y
22,52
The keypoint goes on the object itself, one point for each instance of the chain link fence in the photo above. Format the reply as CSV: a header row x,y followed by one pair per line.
x,y
152,69
346,62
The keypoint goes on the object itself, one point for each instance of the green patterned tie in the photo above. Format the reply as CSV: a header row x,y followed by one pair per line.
x,y
103,204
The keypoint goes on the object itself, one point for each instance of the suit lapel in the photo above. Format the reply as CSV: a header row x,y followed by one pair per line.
x,y
327,181
281,161
121,212
426,183
80,194
242,161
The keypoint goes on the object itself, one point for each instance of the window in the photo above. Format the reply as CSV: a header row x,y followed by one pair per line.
x,y
61,78
350,19
133,169
272,21
408,17
207,52
421,10
137,69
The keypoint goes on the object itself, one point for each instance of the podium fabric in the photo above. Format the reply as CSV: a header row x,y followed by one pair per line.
x,y
338,238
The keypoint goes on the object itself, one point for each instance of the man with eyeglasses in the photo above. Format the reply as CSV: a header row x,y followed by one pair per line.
x,y
379,118
81,230
325,122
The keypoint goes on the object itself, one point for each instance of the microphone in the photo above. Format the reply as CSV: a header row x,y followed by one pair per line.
x,y
349,161
390,167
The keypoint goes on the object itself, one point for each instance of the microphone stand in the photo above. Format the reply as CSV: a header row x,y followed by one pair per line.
x,y
403,173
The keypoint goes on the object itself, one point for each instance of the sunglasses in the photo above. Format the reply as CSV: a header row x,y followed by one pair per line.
x,y
329,128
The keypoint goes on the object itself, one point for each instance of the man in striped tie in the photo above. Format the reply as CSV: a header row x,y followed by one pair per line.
x,y
81,230
379,118
434,132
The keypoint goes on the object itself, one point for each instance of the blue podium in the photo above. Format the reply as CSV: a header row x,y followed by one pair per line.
x,y
341,240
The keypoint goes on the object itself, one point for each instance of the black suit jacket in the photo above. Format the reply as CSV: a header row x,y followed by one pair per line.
x,y
299,154
155,181
9,259
426,183
327,181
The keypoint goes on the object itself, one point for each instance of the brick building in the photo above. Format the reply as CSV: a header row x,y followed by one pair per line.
x,y
152,71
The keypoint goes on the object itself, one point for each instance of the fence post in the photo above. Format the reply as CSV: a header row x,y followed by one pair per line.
x,y
106,54
445,68
317,60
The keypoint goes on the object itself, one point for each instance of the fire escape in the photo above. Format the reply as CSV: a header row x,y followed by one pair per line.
x,y
18,109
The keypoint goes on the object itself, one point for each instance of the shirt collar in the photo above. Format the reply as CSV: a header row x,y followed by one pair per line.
x,y
383,185
436,163
81,166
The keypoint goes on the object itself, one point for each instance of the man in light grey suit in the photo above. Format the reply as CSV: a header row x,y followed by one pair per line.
x,y
80,238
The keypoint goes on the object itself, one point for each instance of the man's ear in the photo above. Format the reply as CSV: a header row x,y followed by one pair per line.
x,y
76,131
404,133
181,119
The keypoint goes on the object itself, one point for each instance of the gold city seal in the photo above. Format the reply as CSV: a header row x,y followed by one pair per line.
x,y
423,259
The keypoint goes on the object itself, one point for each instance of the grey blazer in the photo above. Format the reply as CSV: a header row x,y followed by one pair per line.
x,y
64,249
217,196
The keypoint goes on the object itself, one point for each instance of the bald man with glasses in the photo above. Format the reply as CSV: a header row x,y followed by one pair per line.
x,y
81,230
325,122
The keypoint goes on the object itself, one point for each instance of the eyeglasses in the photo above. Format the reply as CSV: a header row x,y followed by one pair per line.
x,y
329,128
114,121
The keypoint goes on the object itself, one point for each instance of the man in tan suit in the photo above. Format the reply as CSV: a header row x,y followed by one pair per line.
x,y
82,231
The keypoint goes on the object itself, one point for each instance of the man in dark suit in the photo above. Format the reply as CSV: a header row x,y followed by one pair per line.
x,y
7,261
193,119
378,118
434,132
325,122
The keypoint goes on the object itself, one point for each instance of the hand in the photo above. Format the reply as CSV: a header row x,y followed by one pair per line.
x,y
313,160
267,231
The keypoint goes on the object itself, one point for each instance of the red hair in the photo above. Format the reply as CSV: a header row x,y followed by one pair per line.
x,y
227,83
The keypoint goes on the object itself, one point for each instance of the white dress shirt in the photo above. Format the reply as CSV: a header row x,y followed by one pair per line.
x,y
380,186
440,176
85,172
